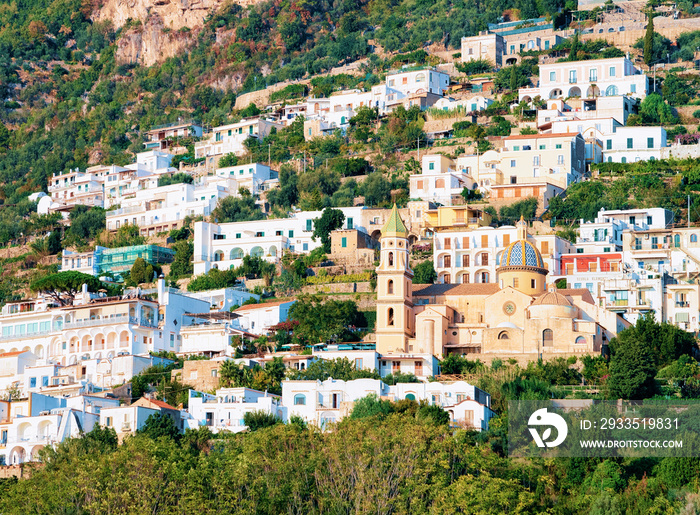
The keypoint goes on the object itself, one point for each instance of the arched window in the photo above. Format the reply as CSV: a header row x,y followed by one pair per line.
x,y
611,91
410,397
300,400
580,340
390,287
623,160
693,238
257,252
236,253
391,259
390,317
503,335
218,256
547,338
273,251
676,240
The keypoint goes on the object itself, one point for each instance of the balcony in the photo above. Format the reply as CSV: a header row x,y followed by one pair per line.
x,y
682,304
32,334
119,319
126,211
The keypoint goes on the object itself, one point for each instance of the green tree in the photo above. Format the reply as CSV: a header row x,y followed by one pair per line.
x,y
322,321
527,208
182,265
127,235
331,219
143,272
632,367
424,273
371,406
654,110
237,209
85,223
159,425
256,420
376,189
4,137
176,178
339,368
475,66
227,160
64,286
649,39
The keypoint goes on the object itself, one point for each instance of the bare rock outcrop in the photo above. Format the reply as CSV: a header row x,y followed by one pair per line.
x,y
167,26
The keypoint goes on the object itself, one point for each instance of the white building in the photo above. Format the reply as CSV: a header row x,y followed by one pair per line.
x,y
97,327
632,144
439,180
104,185
164,208
258,318
470,105
225,410
251,177
329,401
230,139
49,421
588,79
224,245
126,419
604,233
411,80
578,109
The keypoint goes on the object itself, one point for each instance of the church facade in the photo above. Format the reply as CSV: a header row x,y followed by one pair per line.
x,y
517,317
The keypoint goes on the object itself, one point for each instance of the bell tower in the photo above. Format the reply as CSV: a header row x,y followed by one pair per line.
x,y
395,318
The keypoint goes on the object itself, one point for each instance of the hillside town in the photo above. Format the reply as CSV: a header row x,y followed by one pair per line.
x,y
427,232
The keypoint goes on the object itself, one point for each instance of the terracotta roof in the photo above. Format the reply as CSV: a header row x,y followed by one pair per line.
x,y
161,404
584,293
540,136
429,290
248,307
10,354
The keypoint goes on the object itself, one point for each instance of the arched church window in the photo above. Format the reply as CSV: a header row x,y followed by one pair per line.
x,y
391,259
390,287
547,338
390,318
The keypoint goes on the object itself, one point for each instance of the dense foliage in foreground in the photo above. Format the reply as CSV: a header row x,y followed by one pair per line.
x,y
397,464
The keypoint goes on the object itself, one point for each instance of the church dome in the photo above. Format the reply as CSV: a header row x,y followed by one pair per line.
x,y
522,253
552,298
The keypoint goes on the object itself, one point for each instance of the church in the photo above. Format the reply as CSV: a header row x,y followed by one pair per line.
x,y
518,317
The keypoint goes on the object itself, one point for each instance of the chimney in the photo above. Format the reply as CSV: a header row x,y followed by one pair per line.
x,y
161,289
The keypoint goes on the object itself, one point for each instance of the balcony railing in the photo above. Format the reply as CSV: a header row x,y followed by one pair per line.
x,y
119,319
682,304
32,334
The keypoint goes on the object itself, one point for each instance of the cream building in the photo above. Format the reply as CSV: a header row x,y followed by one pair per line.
x,y
589,79
515,317
485,46
558,159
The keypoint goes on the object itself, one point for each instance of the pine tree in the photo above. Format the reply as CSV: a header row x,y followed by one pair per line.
x,y
649,40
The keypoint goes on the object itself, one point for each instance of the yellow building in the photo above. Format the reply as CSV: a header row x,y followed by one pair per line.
x,y
515,318
455,218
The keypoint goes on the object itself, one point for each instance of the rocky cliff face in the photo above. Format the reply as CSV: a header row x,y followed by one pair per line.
x,y
167,26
